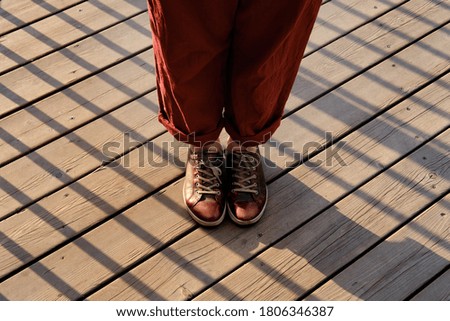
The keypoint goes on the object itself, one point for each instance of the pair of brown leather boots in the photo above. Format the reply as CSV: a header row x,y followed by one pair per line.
x,y
217,183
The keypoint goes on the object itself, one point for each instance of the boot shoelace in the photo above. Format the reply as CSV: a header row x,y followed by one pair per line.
x,y
244,173
208,176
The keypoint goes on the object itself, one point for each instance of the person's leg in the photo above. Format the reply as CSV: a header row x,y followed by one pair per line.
x,y
269,40
191,40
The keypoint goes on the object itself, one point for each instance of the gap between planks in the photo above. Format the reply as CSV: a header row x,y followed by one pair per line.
x,y
43,122
17,14
303,117
62,29
400,264
57,166
172,214
438,290
306,257
301,140
51,73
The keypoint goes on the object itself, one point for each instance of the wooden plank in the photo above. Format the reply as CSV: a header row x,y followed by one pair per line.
x,y
296,198
200,253
17,13
90,200
31,130
66,66
438,290
352,14
76,105
143,238
78,153
365,95
21,182
307,256
399,265
365,46
302,141
70,213
63,28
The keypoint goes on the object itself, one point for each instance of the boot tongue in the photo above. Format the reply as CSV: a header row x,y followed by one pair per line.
x,y
213,160
244,197
240,195
209,198
252,149
211,148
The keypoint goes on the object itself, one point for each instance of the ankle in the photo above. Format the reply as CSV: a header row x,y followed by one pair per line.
x,y
212,147
234,146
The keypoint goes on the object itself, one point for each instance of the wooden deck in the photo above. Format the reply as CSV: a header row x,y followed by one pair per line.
x,y
359,171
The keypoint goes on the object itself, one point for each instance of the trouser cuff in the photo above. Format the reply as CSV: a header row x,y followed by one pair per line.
x,y
196,139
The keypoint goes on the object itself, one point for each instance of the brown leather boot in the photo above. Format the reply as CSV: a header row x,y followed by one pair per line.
x,y
247,197
204,186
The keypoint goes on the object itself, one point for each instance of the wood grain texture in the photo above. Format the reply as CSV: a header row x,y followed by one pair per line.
x,y
140,231
345,15
294,197
400,265
37,186
63,28
340,104
63,68
367,45
74,106
125,236
80,205
306,257
438,290
77,153
106,189
29,128
17,13
363,96
67,65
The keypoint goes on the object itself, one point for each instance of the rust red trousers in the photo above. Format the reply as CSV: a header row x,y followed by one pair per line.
x,y
227,64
